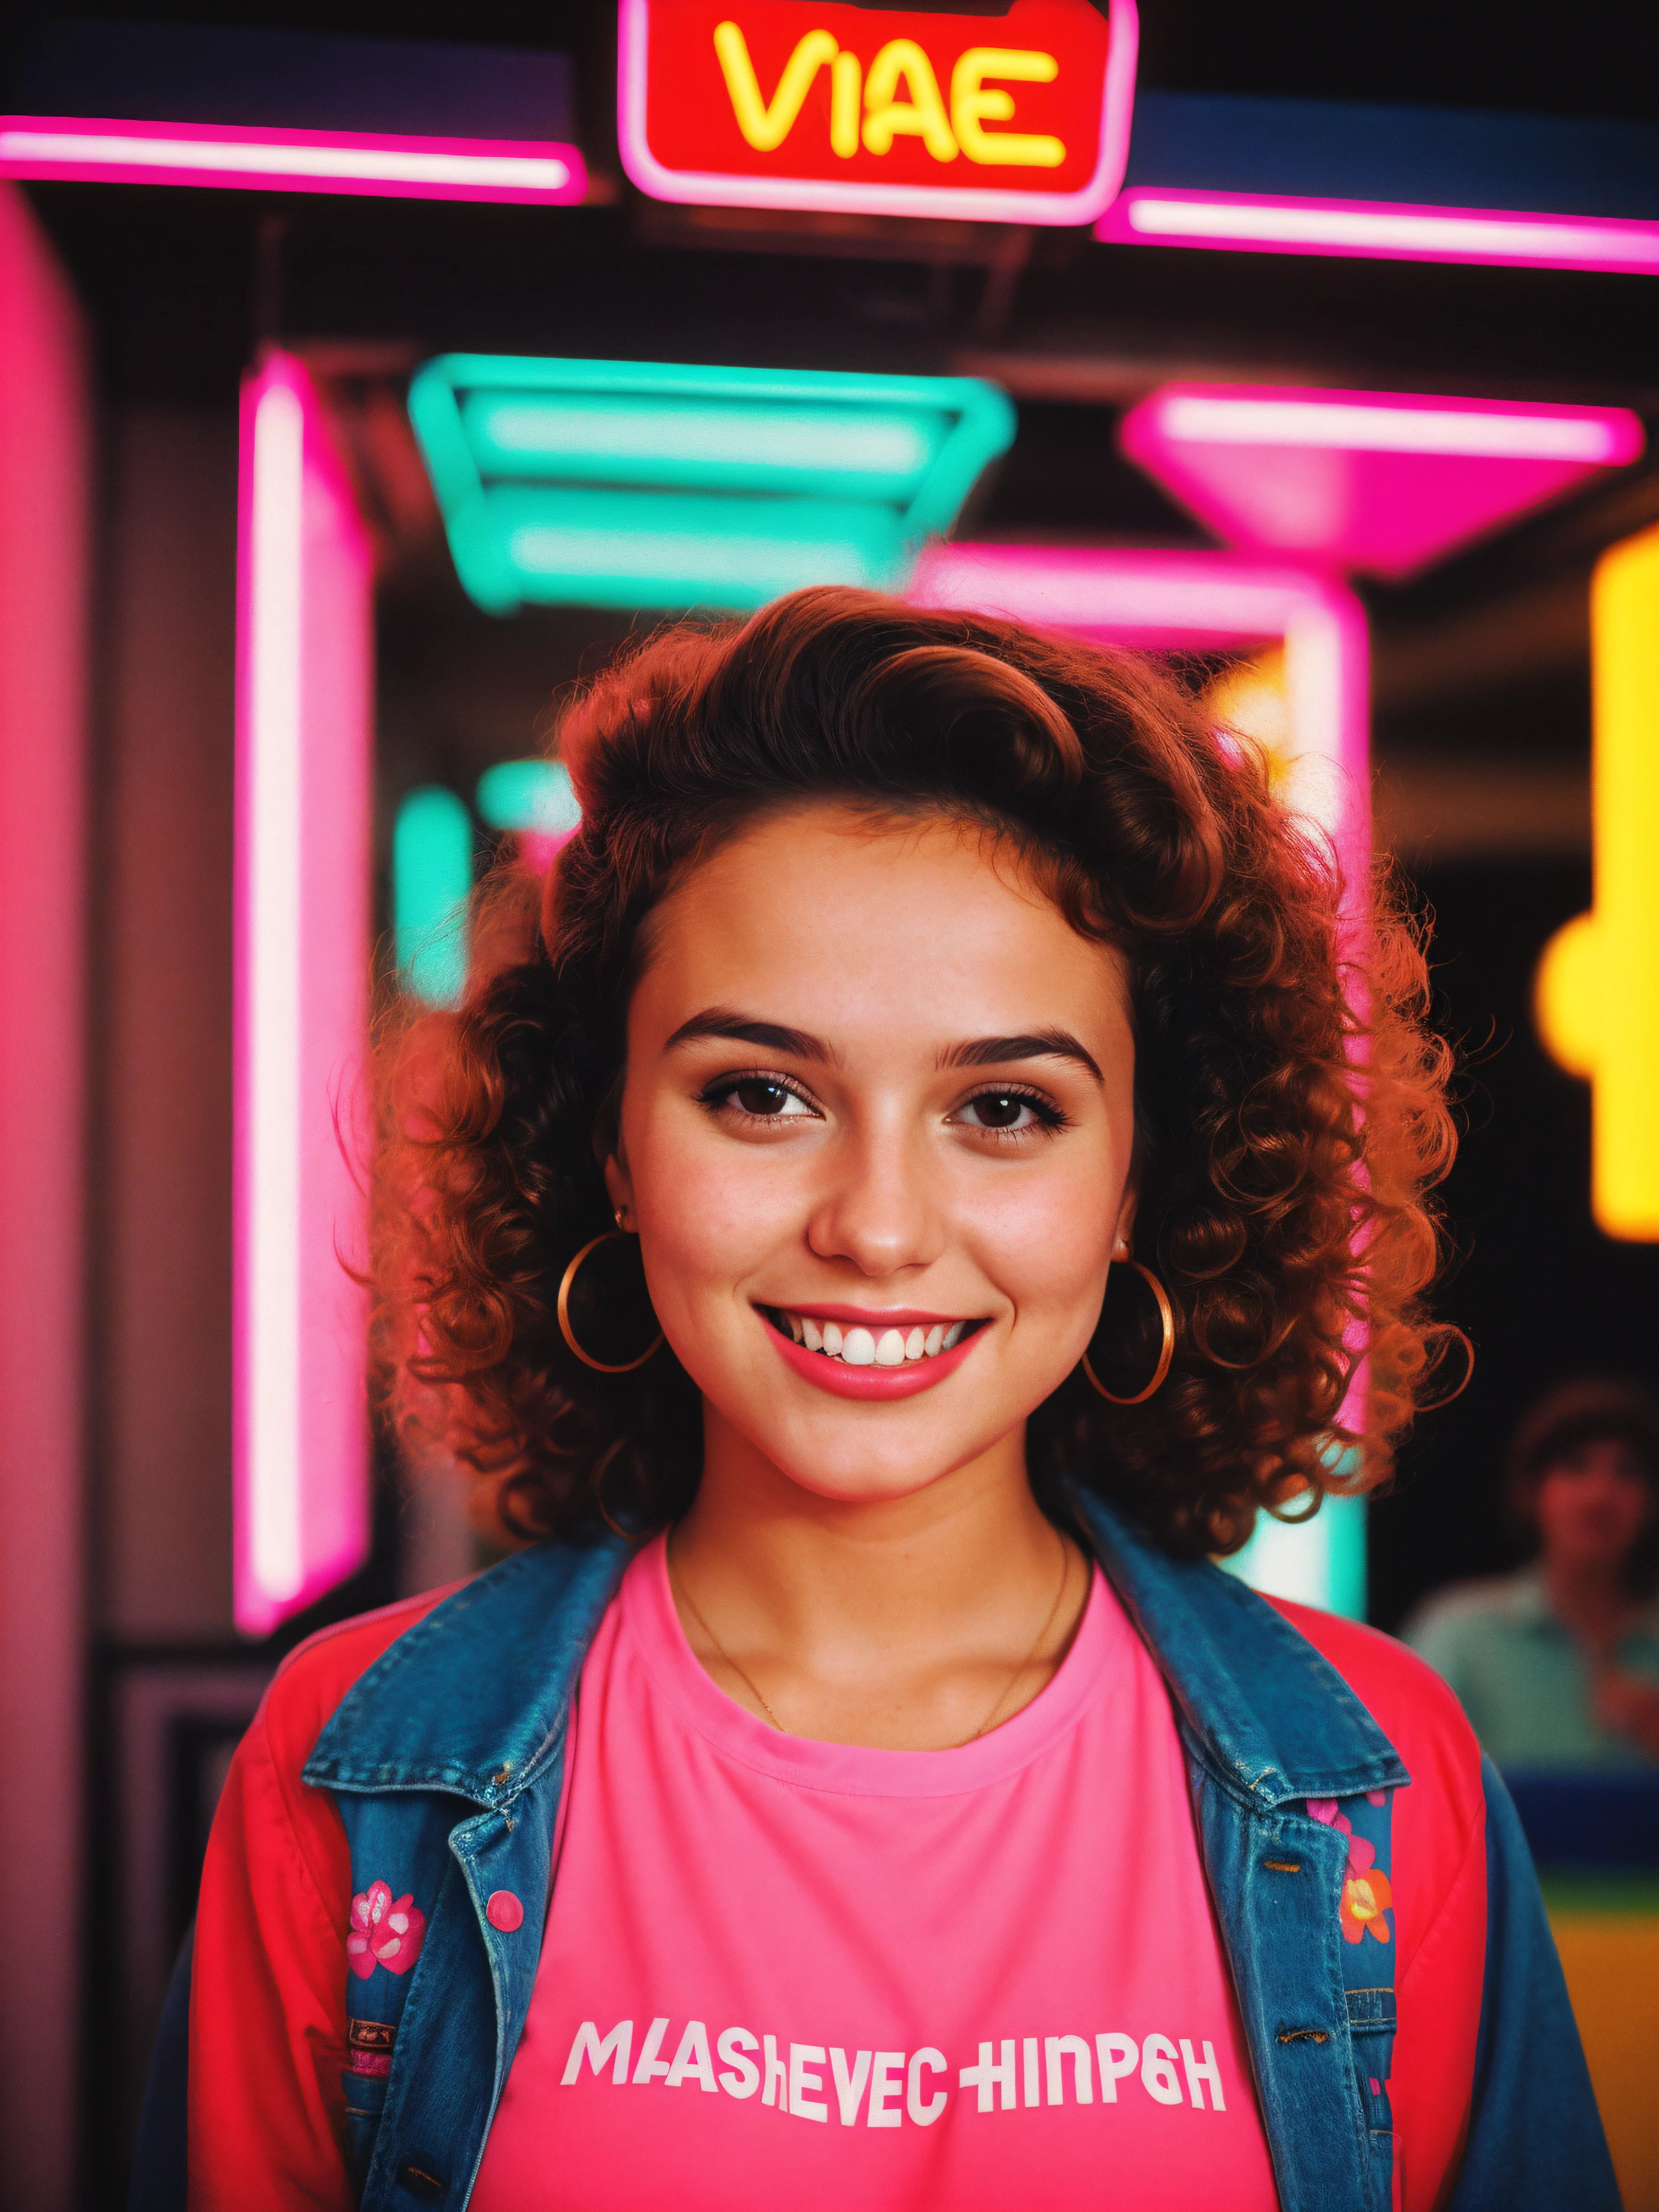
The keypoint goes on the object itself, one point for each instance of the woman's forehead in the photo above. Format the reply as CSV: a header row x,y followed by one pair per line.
x,y
869,914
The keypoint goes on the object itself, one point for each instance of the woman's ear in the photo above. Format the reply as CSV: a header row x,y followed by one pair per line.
x,y
619,1184
1123,1236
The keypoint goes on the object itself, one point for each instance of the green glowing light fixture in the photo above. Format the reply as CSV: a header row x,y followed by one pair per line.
x,y
651,484
431,884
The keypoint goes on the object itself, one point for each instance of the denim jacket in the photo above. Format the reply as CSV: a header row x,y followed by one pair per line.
x,y
455,1800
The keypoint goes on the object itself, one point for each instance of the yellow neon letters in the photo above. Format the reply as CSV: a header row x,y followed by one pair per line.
x,y
972,105
766,125
922,116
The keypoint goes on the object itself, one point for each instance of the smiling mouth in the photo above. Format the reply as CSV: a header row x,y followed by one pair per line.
x,y
857,1346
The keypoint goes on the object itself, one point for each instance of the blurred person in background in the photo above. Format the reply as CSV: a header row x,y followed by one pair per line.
x,y
1558,1665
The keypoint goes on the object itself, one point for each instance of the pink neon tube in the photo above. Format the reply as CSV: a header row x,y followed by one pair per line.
x,y
105,151
1256,222
304,724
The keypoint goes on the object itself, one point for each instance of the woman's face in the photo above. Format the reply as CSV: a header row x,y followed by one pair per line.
x,y
875,1136
1594,1503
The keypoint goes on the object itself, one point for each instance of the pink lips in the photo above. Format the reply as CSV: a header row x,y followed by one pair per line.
x,y
867,1382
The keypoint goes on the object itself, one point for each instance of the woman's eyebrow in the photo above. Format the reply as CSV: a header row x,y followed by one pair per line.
x,y
769,1037
1045,1044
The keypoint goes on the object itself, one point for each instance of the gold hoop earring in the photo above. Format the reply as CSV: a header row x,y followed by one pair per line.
x,y
1166,1349
603,1366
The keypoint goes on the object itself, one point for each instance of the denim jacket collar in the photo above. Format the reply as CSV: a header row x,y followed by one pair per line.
x,y
1272,1720
472,1700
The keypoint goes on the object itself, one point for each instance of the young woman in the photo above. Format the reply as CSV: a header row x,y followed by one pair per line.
x,y
925,1184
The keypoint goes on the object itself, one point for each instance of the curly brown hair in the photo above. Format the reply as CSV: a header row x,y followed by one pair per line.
x,y
1291,1102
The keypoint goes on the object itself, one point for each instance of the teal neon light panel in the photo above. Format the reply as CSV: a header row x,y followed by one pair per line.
x,y
431,884
647,484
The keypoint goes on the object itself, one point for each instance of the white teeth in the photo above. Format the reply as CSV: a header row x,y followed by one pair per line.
x,y
864,1347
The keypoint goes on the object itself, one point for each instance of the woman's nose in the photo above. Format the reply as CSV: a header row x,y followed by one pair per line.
x,y
879,1206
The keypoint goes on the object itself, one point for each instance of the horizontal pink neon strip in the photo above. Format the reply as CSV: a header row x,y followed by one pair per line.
x,y
1375,230
103,151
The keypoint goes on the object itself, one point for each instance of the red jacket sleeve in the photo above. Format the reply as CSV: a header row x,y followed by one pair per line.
x,y
1439,1890
267,2018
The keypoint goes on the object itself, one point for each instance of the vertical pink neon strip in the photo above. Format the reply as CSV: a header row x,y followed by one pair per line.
x,y
45,490
304,738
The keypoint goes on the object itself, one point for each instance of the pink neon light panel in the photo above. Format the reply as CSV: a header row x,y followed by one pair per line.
x,y
1170,602
304,724
1379,481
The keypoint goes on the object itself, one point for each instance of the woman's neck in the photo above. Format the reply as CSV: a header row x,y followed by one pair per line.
x,y
906,1623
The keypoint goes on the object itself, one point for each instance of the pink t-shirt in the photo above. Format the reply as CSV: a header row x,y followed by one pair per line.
x,y
778,1971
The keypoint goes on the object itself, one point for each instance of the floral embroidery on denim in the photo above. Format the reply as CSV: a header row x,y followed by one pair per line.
x,y
1367,1895
385,1931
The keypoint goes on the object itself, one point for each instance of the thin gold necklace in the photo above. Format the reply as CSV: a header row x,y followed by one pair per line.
x,y
677,1584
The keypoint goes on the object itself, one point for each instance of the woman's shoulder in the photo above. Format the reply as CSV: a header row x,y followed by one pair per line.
x,y
312,1681
1415,1708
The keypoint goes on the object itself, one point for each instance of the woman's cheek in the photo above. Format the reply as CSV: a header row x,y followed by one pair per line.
x,y
709,1212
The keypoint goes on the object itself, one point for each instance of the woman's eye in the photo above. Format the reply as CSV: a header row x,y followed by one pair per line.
x,y
1000,1110
766,1100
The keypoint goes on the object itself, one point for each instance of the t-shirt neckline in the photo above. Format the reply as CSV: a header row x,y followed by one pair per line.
x,y
650,1621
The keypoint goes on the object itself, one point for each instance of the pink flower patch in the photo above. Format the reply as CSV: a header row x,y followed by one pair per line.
x,y
385,1931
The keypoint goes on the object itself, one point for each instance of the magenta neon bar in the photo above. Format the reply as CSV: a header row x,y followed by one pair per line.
x,y
1380,481
1245,222
127,153
303,749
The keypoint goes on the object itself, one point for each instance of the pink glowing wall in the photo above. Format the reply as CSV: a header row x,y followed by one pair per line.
x,y
44,463
304,740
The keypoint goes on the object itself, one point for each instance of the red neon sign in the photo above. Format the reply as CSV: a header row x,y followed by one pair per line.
x,y
1017,118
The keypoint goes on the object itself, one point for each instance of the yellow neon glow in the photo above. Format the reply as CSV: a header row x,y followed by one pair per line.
x,y
1566,997
846,83
1625,812
922,116
1251,697
766,126
973,105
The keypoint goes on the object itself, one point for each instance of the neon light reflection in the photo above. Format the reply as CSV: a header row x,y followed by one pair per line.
x,y
304,724
1379,481
96,150
1242,222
